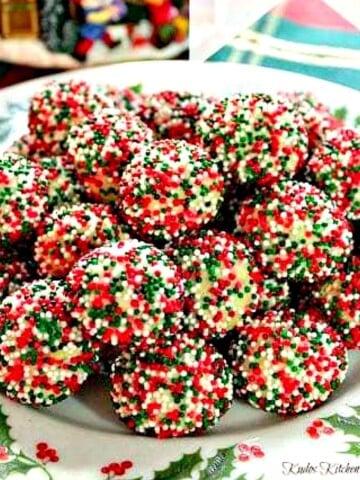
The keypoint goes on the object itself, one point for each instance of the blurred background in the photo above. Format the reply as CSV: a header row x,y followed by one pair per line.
x,y
319,38
315,37
38,37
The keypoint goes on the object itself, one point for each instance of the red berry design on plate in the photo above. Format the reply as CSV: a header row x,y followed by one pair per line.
x,y
249,450
328,430
115,470
46,454
244,447
317,428
312,432
4,454
257,451
244,457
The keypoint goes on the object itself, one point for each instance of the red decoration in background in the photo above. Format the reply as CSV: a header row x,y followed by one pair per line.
x,y
306,13
161,12
46,454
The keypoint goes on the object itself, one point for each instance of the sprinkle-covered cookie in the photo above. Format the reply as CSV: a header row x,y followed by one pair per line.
x,y
221,281
317,116
287,368
102,146
13,272
335,168
169,189
57,106
126,292
172,389
71,231
256,138
296,230
43,356
173,114
23,198
339,298
59,170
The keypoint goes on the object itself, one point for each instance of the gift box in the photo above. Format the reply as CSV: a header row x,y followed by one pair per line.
x,y
101,31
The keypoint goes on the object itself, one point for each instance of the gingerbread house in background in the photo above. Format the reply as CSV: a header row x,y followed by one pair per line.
x,y
19,19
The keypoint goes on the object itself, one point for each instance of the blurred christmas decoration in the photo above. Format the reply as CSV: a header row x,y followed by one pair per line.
x,y
100,31
59,28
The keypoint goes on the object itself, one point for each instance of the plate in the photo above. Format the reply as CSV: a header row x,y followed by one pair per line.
x,y
87,439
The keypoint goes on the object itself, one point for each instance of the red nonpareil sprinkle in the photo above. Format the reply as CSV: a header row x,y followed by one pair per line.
x,y
15,373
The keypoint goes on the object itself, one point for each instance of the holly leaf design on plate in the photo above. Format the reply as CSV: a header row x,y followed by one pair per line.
x,y
220,465
353,449
5,438
349,425
16,465
356,410
14,462
244,477
179,469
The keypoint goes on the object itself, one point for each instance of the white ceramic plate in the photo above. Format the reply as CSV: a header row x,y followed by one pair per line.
x,y
85,432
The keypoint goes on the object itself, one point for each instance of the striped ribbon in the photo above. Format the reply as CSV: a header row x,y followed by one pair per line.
x,y
304,36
